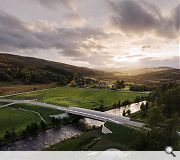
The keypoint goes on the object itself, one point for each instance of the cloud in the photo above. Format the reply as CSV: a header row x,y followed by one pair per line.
x,y
176,17
53,4
139,17
150,47
158,62
78,36
74,20
13,33
16,34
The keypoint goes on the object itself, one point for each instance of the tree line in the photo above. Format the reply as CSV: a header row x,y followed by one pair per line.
x,y
161,115
141,88
35,75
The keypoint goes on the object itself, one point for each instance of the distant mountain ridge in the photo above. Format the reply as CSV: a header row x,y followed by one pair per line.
x,y
47,71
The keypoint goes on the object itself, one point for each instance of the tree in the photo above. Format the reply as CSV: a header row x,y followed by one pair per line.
x,y
141,88
158,138
144,109
170,128
162,116
126,102
55,121
9,135
1,142
32,128
119,104
43,125
172,102
101,107
137,99
128,112
119,84
155,117
124,113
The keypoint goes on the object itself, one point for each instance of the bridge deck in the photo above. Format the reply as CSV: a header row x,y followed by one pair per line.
x,y
97,115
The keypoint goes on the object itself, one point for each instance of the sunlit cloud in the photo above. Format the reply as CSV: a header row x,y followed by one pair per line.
x,y
107,33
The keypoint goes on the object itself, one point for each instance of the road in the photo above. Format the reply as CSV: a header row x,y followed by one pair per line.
x,y
97,115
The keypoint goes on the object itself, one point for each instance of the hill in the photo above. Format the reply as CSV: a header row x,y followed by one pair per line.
x,y
29,69
34,70
151,75
155,76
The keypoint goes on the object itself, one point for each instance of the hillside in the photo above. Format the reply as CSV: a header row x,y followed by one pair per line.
x,y
150,75
28,69
9,60
19,68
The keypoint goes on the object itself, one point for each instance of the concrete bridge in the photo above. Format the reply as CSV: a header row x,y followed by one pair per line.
x,y
97,115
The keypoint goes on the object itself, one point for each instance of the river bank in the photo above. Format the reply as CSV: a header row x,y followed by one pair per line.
x,y
54,136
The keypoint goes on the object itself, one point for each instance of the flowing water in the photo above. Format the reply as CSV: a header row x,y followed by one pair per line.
x,y
52,136
117,112
43,140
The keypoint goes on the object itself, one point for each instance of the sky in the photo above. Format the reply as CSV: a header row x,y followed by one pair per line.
x,y
93,33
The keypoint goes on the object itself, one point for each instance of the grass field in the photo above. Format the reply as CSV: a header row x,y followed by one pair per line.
x,y
11,118
44,112
79,97
14,118
10,88
122,138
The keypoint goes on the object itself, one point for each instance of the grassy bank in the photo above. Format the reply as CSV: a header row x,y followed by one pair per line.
x,y
122,138
11,118
14,118
44,112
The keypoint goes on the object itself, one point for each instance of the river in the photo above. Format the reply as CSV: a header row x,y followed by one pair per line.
x,y
52,136
44,139
134,107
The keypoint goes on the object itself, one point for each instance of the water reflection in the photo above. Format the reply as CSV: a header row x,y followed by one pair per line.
x,y
116,112
52,136
43,139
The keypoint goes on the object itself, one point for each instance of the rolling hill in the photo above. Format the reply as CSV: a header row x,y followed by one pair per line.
x,y
42,71
14,67
156,75
9,60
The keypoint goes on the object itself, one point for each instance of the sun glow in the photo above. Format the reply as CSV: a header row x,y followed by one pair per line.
x,y
126,59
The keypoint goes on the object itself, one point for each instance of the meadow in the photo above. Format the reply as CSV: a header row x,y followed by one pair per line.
x,y
44,112
80,97
11,88
11,118
15,118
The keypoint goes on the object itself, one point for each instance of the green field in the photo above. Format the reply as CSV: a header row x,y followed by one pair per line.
x,y
11,118
79,97
44,112
122,138
14,118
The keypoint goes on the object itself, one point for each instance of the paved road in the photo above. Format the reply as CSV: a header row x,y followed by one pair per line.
x,y
97,115
6,105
